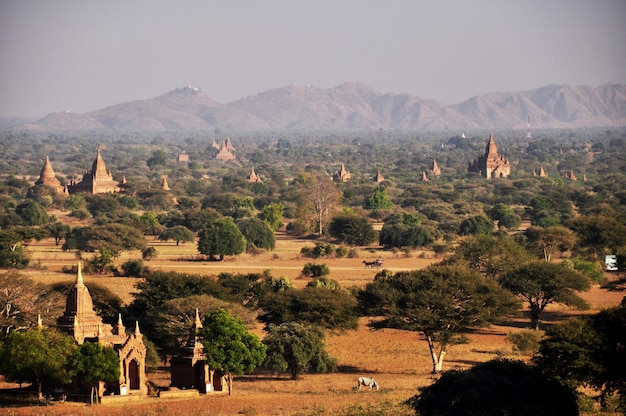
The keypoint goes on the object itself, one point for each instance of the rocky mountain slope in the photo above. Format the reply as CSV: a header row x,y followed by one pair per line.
x,y
353,106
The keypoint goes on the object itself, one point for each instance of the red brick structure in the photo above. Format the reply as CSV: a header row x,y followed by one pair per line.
x,y
492,164
98,180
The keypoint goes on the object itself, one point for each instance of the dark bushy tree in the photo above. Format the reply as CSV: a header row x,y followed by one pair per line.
x,y
540,284
589,351
298,348
178,233
495,388
352,230
257,233
325,308
476,225
221,238
36,356
92,363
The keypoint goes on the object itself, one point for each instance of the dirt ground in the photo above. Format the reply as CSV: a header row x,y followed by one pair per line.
x,y
399,360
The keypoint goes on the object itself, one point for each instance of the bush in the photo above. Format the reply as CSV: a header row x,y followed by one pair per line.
x,y
315,270
320,250
134,268
149,253
525,342
341,251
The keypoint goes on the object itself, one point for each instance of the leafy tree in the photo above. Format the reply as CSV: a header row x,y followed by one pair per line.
x,y
272,214
133,268
36,356
149,253
149,224
494,388
378,199
476,225
297,347
113,237
32,213
158,159
330,309
229,346
589,351
510,222
101,261
104,206
402,235
257,233
92,363
178,233
58,230
550,240
440,302
540,283
490,255
353,230
221,238
499,211
599,233
12,252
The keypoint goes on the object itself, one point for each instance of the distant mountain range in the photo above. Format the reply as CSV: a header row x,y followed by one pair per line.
x,y
352,106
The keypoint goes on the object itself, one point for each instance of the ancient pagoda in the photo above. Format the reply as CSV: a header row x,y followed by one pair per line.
x,y
81,322
98,180
491,164
48,178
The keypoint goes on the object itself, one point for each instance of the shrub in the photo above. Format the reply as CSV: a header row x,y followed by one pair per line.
x,y
315,270
134,268
341,251
525,342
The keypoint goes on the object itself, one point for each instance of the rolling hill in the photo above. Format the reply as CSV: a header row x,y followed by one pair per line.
x,y
352,106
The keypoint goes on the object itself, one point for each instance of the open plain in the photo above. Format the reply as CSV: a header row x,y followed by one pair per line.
x,y
399,360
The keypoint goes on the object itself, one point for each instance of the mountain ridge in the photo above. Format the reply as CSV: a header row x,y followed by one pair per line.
x,y
352,106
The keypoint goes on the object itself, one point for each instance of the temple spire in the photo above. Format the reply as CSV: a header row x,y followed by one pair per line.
x,y
79,276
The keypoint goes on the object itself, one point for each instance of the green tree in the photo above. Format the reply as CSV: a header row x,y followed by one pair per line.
x,y
494,388
378,199
221,238
257,233
325,308
113,237
103,206
92,363
540,283
178,233
158,159
32,213
36,356
297,347
12,252
58,231
440,302
589,351
599,233
353,230
272,214
550,241
490,255
229,346
476,225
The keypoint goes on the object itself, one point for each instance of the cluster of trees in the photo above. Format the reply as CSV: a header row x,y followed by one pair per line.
x,y
492,268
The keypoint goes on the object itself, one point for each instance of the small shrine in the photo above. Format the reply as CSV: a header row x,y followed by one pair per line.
x,y
81,322
378,178
48,178
189,369
342,175
253,177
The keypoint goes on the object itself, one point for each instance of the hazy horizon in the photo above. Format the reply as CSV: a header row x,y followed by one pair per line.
x,y
83,56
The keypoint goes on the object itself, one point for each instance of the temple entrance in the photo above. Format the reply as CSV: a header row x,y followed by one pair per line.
x,y
133,375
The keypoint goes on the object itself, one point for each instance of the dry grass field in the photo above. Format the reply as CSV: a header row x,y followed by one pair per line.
x,y
398,360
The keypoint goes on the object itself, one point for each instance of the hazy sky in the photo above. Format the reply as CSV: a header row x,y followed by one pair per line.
x,y
83,55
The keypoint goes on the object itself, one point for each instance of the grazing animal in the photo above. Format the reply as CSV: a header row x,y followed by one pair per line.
x,y
367,381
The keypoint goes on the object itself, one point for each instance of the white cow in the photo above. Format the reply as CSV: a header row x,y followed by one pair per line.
x,y
367,381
